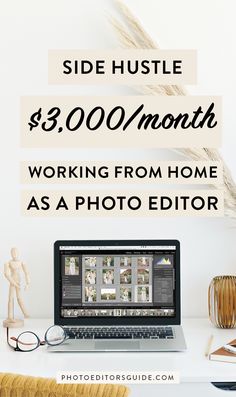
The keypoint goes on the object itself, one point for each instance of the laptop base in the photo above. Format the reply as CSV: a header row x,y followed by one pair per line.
x,y
124,345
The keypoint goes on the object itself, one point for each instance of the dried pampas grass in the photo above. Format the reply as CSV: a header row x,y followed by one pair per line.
x,y
132,35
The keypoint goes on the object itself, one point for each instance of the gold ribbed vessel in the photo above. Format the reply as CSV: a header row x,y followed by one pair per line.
x,y
222,301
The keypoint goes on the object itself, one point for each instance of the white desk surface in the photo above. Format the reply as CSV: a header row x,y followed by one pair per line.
x,y
192,365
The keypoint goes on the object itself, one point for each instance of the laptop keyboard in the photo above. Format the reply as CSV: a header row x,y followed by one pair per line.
x,y
120,332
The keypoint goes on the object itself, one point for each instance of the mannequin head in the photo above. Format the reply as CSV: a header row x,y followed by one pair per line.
x,y
14,254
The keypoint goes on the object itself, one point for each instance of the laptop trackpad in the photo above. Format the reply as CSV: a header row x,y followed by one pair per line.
x,y
117,345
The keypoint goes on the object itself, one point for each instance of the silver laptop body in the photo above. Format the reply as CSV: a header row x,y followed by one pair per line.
x,y
118,295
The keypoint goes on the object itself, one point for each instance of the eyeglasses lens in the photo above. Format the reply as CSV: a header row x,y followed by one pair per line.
x,y
27,341
55,335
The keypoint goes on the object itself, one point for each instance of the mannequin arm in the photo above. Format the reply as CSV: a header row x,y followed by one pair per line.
x,y
7,274
26,273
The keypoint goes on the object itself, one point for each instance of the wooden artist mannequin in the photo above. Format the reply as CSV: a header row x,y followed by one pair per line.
x,y
12,272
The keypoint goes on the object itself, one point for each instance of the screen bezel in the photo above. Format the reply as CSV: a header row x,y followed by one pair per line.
x,y
81,321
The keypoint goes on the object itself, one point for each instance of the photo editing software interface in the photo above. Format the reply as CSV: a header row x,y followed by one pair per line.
x,y
117,281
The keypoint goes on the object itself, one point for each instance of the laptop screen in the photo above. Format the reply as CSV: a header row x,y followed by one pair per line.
x,y
117,281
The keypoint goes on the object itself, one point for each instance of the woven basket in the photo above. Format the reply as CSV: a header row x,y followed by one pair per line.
x,y
12,385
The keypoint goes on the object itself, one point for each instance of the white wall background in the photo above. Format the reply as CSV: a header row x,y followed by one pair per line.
x,y
27,30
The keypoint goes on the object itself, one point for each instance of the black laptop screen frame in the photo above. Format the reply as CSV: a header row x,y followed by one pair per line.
x,y
81,321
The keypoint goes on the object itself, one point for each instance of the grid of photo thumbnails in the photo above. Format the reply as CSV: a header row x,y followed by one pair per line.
x,y
117,279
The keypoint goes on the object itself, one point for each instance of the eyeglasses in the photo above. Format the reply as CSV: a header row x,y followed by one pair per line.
x,y
28,341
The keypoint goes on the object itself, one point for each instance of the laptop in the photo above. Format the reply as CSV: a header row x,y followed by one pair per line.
x,y
118,295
